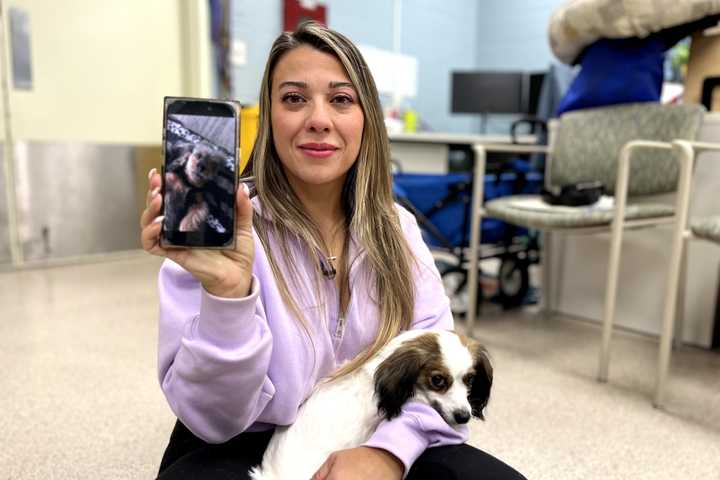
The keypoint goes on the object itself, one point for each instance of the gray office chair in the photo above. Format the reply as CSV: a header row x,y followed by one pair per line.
x,y
628,149
707,228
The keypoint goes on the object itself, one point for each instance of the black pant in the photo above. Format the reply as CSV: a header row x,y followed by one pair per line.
x,y
189,458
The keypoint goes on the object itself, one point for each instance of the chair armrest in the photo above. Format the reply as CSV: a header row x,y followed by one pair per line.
x,y
688,152
699,147
621,184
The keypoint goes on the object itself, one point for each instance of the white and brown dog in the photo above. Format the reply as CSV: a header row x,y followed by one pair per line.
x,y
447,371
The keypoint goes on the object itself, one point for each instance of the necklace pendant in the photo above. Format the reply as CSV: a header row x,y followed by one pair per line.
x,y
328,267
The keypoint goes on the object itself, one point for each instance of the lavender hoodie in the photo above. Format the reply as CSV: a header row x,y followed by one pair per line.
x,y
232,365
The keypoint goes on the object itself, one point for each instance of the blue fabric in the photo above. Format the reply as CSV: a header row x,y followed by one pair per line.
x,y
424,191
615,71
557,82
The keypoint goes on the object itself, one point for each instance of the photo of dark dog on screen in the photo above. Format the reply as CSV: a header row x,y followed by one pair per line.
x,y
199,174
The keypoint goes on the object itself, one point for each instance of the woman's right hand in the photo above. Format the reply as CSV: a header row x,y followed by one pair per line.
x,y
223,273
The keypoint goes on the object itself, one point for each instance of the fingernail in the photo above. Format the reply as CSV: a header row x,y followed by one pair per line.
x,y
246,189
151,173
159,219
155,192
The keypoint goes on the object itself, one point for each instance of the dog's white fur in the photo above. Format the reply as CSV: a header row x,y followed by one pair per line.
x,y
343,413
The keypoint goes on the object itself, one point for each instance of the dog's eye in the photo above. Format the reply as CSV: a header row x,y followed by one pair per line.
x,y
437,381
469,379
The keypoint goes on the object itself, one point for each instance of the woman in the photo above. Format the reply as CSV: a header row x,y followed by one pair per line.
x,y
326,269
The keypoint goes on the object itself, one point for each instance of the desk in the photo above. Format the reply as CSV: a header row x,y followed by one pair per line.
x,y
456,138
427,152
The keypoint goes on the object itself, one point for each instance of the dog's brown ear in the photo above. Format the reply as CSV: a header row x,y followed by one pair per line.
x,y
480,391
396,378
174,150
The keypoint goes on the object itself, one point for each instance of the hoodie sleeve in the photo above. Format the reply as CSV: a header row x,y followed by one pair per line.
x,y
432,305
213,356
419,426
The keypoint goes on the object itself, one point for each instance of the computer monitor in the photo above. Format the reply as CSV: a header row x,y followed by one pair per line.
x,y
487,92
496,92
535,90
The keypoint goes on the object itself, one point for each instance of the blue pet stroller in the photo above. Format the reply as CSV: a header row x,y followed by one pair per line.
x,y
442,203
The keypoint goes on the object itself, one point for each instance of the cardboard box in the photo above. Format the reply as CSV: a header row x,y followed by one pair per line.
x,y
704,62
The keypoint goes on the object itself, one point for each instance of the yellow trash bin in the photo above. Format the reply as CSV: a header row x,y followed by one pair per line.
x,y
248,132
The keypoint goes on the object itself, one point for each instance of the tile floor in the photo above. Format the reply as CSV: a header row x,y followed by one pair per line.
x,y
79,396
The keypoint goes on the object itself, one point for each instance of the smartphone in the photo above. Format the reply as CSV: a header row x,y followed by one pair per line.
x,y
201,151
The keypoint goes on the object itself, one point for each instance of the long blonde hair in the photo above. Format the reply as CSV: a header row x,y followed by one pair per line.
x,y
366,197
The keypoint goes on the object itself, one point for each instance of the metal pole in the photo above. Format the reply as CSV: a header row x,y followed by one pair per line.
x,y
475,227
16,253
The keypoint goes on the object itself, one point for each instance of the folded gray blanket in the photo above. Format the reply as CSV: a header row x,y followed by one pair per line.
x,y
579,23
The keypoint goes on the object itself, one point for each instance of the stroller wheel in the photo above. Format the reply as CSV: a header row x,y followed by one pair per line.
x,y
513,281
455,280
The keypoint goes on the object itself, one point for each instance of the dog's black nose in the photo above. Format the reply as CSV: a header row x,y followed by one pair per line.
x,y
461,416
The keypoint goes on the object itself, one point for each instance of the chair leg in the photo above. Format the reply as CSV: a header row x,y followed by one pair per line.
x,y
666,335
680,303
558,271
610,298
677,254
546,265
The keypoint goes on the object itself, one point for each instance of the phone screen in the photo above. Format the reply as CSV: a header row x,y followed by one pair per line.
x,y
200,172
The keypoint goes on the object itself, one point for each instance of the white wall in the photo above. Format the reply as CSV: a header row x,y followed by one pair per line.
x,y
441,35
513,34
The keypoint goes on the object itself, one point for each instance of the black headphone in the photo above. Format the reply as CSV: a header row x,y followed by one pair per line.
x,y
574,195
